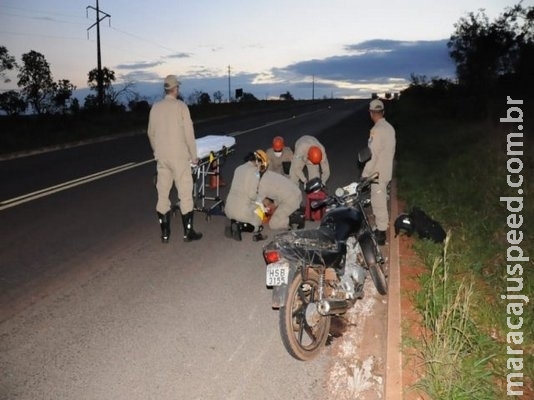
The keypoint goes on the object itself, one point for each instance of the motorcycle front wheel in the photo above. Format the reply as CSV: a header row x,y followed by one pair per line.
x,y
303,330
377,275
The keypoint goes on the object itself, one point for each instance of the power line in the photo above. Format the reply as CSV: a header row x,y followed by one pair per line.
x,y
55,20
145,40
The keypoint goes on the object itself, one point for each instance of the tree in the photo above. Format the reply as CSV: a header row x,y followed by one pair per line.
x,y
139,106
104,76
62,94
194,97
204,99
108,77
7,63
12,103
484,51
218,96
36,81
286,96
247,98
112,95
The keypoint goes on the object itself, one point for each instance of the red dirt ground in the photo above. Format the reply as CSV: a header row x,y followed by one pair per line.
x,y
410,267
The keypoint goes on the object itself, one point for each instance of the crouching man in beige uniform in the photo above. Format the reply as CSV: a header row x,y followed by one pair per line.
x,y
171,135
285,195
382,146
309,153
241,203
280,156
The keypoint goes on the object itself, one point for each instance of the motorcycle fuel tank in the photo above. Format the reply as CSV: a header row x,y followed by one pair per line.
x,y
343,221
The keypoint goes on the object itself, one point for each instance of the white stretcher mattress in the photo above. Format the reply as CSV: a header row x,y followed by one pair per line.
x,y
213,144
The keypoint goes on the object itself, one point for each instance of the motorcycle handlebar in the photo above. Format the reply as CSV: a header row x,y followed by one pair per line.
x,y
340,198
367,181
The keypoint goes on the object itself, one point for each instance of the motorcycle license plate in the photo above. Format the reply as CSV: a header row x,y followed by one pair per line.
x,y
277,274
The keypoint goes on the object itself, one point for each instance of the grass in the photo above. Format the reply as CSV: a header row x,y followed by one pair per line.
x,y
450,340
456,172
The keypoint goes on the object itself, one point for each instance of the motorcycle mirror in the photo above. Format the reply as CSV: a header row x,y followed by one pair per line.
x,y
364,155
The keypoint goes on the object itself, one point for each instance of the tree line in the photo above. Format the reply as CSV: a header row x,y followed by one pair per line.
x,y
492,57
40,94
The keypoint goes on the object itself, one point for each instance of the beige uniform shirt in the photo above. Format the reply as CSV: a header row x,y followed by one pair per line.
x,y
300,160
170,131
275,163
241,200
382,145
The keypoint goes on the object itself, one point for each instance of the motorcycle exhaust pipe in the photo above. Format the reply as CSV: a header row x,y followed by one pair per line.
x,y
332,307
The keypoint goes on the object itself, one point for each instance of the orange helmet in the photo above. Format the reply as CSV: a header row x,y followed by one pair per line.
x,y
278,143
315,155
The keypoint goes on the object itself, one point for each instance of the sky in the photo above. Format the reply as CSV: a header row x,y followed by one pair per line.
x,y
311,48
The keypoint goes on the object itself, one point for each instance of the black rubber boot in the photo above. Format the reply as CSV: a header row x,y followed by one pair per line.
x,y
189,232
258,236
235,229
165,224
296,220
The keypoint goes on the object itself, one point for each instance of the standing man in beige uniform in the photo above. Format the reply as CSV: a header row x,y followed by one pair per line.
x,y
171,135
382,146
309,153
280,156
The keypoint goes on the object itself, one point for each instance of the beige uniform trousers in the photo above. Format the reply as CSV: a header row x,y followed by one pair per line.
x,y
285,194
169,172
379,203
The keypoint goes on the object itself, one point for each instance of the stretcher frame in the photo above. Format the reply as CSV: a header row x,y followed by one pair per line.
x,y
207,167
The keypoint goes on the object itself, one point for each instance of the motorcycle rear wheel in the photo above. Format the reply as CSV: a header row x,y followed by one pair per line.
x,y
303,337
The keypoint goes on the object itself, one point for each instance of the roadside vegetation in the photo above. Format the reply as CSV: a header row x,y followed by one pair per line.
x,y
455,170
452,162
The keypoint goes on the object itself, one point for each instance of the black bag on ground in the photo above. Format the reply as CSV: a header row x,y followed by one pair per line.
x,y
426,227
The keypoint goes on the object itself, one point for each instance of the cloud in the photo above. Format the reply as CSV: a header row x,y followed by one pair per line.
x,y
373,66
139,65
379,60
179,55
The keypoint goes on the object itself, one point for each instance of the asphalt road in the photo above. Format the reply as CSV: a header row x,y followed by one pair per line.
x,y
93,306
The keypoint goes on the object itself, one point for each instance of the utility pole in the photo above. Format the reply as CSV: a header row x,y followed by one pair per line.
x,y
229,90
100,77
313,87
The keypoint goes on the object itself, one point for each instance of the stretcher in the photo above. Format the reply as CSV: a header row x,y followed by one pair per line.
x,y
212,152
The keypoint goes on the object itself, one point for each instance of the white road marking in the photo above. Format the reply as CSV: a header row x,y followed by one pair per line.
x,y
68,185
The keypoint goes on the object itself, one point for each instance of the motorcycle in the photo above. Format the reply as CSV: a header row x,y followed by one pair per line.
x,y
319,273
